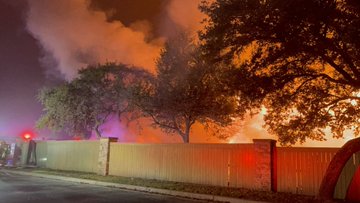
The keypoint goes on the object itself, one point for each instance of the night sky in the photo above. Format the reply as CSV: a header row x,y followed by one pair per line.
x,y
21,74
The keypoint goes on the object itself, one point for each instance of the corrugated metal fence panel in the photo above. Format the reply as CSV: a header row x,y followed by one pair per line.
x,y
73,155
41,153
242,166
211,164
346,176
300,170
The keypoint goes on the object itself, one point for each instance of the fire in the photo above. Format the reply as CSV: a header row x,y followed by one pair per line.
x,y
96,40
253,128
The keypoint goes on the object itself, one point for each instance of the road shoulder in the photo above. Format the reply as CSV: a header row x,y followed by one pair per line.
x,y
137,188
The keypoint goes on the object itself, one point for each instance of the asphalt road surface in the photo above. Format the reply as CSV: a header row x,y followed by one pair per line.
x,y
27,189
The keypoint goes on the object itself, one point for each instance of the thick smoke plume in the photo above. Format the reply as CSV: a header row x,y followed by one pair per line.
x,y
76,36
185,13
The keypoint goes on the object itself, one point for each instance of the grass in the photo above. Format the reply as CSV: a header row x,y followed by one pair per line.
x,y
185,187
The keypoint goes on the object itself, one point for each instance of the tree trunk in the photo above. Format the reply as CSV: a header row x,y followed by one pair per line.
x,y
327,187
97,131
186,138
186,135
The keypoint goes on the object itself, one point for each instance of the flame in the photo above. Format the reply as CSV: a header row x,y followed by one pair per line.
x,y
253,128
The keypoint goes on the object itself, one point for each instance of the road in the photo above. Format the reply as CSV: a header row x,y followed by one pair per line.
x,y
27,189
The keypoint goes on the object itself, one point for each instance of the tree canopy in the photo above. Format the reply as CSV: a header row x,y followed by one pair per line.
x,y
84,104
300,58
185,92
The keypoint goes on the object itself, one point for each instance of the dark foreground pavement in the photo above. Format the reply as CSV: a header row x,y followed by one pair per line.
x,y
16,188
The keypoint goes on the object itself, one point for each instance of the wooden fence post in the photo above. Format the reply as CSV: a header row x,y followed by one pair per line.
x,y
104,154
265,164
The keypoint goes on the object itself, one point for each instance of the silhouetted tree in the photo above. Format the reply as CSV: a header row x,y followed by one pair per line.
x,y
185,93
300,58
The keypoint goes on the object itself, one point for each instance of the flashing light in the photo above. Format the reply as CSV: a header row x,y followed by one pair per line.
x,y
27,136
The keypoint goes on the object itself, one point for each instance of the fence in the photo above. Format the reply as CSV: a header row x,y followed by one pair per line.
x,y
211,164
68,155
300,170
257,166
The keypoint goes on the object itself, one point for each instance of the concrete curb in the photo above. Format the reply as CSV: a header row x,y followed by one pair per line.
x,y
138,188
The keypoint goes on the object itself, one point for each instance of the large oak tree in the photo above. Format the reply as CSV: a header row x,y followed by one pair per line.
x,y
300,58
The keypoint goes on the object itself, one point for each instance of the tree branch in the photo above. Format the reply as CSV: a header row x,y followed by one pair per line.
x,y
346,57
339,99
157,122
338,68
300,86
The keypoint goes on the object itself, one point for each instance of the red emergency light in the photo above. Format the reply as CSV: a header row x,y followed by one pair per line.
x,y
27,136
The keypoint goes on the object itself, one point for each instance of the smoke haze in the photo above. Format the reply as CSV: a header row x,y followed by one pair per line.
x,y
75,36
186,14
